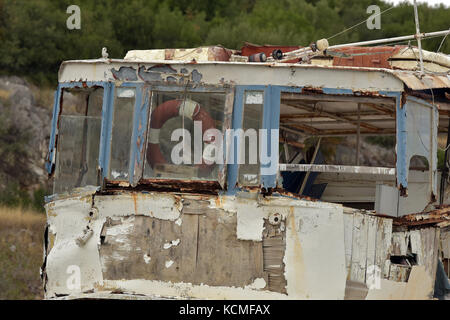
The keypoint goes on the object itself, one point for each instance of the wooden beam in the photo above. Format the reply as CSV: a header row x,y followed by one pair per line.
x,y
307,128
336,98
320,122
334,116
382,109
312,115
292,143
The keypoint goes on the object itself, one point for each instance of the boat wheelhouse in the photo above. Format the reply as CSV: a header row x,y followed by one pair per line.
x,y
177,174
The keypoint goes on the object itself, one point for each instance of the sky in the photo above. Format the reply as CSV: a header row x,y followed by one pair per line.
x,y
430,2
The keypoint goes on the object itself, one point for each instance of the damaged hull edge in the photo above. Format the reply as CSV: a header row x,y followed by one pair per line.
x,y
174,245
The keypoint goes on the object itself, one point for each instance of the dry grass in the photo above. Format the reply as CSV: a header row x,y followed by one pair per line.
x,y
21,241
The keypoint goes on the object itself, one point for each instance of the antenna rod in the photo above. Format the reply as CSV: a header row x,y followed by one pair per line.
x,y
395,39
418,36
307,50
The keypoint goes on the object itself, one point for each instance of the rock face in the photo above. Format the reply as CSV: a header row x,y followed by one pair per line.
x,y
27,125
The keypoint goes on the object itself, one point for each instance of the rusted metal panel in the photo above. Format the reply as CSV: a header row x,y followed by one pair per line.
x,y
433,217
413,81
250,49
369,57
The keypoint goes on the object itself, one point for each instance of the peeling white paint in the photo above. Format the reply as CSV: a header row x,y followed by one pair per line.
x,y
258,284
250,222
314,257
315,253
188,290
169,263
171,244
157,205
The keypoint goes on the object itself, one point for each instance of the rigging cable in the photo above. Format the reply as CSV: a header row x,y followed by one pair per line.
x,y
343,31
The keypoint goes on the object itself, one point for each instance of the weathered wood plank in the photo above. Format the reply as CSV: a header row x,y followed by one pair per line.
x,y
274,245
399,273
371,243
197,249
429,242
359,248
348,238
399,243
384,243
445,243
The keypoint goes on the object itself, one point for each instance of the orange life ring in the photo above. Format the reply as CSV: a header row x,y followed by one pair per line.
x,y
168,110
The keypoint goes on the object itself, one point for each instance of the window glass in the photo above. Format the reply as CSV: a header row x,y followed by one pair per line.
x,y
186,135
124,101
78,141
252,122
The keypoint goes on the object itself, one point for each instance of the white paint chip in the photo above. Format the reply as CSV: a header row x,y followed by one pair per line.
x,y
258,284
147,258
178,222
169,263
173,243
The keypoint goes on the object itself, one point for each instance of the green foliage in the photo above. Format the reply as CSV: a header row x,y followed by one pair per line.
x,y
387,142
14,196
441,159
34,38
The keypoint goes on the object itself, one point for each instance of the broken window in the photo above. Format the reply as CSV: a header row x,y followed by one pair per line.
x,y
79,128
122,128
185,138
252,122
337,148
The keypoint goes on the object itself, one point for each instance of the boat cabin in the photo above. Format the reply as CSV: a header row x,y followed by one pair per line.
x,y
197,173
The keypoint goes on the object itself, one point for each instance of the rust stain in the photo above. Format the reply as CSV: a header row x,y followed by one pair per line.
x,y
312,90
298,267
134,196
440,214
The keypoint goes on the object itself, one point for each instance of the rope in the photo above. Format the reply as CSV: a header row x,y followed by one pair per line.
x,y
439,48
359,23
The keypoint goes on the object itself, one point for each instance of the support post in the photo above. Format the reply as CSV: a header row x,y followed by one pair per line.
x,y
445,169
313,159
418,36
358,136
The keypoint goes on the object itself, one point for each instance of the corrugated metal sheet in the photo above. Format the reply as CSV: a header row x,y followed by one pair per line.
x,y
413,81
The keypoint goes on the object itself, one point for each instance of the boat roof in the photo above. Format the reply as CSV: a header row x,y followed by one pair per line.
x,y
363,85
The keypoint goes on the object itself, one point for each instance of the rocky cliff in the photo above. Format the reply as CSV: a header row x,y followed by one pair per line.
x,y
24,134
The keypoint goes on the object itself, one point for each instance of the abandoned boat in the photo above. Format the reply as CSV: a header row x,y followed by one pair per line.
x,y
130,217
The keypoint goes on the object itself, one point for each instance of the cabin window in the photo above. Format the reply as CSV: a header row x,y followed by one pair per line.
x,y
252,122
78,141
122,127
185,136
